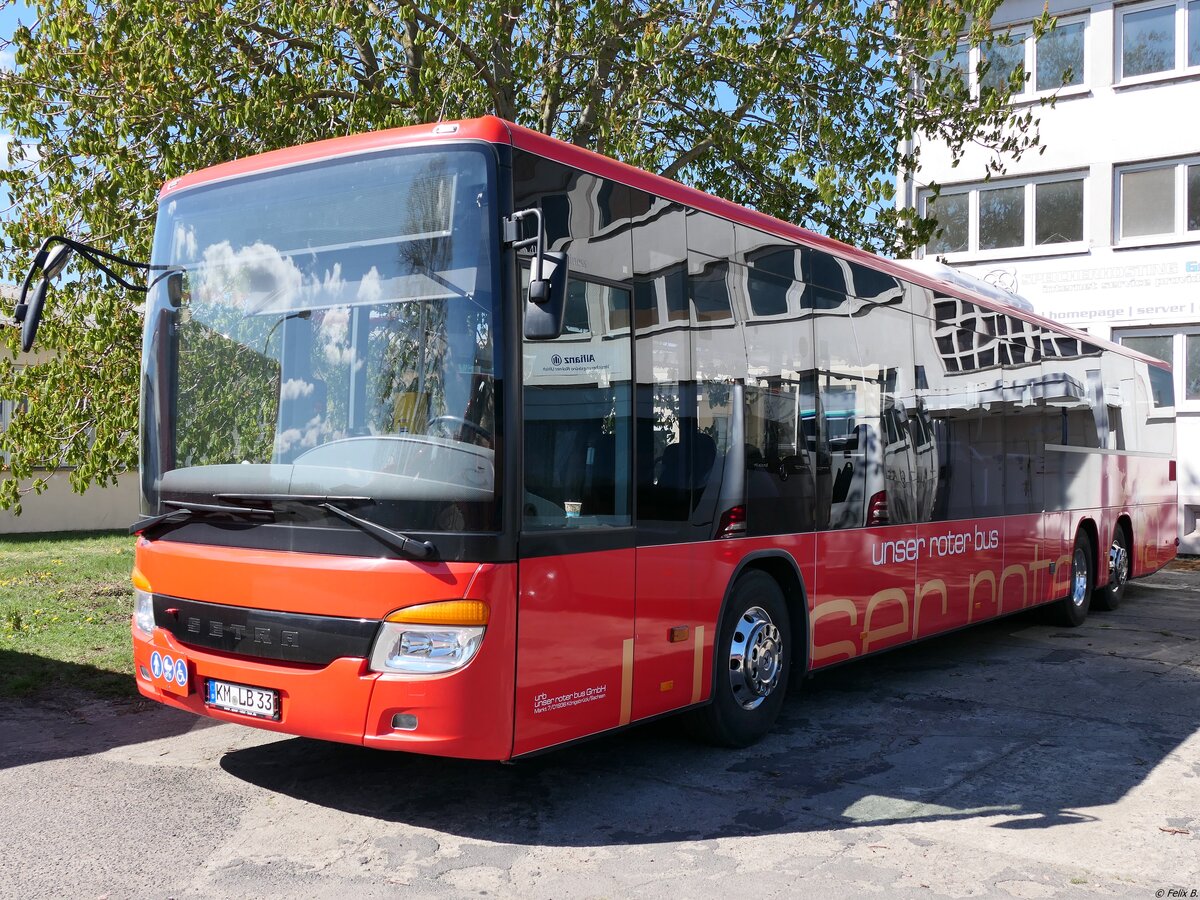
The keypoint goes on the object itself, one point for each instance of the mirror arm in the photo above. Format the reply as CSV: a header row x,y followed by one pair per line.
x,y
538,242
92,252
94,255
140,288
97,257
39,259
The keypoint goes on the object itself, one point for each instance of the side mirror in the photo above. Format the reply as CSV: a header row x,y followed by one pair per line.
x,y
547,305
30,315
48,263
56,261
175,289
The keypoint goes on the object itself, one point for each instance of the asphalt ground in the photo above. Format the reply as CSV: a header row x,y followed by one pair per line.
x,y
1012,759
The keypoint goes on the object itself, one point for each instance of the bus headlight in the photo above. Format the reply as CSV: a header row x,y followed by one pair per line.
x,y
143,603
430,638
143,611
423,648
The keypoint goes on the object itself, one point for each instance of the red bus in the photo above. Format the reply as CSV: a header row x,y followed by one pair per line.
x,y
460,440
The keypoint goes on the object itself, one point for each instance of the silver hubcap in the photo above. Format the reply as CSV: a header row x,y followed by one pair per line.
x,y
755,658
1118,565
1079,576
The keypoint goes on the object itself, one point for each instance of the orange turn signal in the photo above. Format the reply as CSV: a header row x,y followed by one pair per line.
x,y
140,581
445,612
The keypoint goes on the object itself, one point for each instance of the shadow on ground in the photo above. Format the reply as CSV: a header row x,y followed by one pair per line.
x,y
63,709
1014,721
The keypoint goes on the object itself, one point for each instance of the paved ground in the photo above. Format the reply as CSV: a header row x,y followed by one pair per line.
x,y
1014,759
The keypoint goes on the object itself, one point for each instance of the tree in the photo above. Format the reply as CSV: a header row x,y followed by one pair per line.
x,y
802,111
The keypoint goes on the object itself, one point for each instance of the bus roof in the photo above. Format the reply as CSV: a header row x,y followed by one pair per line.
x,y
494,130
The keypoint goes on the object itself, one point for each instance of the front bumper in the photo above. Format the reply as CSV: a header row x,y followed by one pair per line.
x,y
458,714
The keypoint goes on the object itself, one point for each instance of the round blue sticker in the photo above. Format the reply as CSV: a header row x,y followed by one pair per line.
x,y
156,664
169,669
180,673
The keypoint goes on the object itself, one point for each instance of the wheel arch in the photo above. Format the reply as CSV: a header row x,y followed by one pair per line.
x,y
1088,527
782,567
1125,521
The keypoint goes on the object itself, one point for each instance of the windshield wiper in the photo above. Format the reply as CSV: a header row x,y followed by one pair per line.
x,y
385,536
184,511
175,516
392,539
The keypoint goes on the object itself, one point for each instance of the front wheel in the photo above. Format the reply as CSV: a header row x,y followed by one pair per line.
x,y
1072,609
1109,596
753,657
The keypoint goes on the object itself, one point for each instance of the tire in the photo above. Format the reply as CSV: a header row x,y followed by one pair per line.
x,y
752,662
1109,596
1072,609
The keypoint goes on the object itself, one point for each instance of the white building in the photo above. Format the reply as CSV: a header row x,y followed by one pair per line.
x,y
1102,230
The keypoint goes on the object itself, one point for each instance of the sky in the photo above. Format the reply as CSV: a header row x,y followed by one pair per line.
x,y
10,16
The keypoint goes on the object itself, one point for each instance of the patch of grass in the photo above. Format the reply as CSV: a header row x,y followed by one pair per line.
x,y
65,604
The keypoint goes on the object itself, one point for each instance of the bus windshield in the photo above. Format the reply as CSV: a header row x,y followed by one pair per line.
x,y
329,331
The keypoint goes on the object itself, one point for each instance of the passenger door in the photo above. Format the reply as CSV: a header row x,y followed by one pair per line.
x,y
575,616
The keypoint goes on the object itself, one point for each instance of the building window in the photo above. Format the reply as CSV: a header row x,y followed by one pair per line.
x,y
952,211
1007,218
1059,57
1001,61
1175,345
1158,201
1193,33
1056,61
1058,211
1001,217
1158,38
1193,198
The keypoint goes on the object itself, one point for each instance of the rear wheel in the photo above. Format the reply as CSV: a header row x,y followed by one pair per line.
x,y
753,658
1109,596
1072,609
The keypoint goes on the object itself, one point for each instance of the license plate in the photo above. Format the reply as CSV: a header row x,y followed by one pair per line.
x,y
241,698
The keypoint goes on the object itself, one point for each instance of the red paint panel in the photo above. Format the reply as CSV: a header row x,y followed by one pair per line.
x,y
329,703
574,647
685,584
298,582
1024,581
882,587
488,129
467,713
1058,537
863,596
678,584
983,568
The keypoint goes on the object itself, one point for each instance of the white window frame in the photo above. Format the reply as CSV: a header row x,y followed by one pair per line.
x,y
1029,248
1180,67
1029,44
1179,335
1180,230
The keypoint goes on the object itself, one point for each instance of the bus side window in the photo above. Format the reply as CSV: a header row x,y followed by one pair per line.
x,y
780,469
578,417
